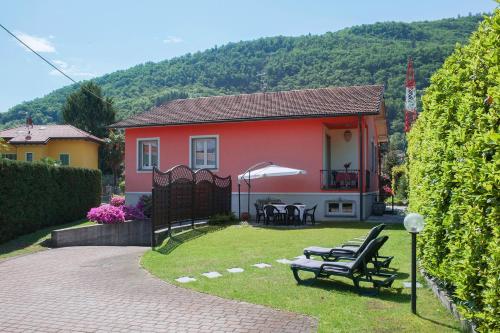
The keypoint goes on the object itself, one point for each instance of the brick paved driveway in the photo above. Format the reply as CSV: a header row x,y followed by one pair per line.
x,y
103,289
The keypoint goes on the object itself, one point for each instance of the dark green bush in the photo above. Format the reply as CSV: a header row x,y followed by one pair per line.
x,y
36,195
220,219
145,204
454,168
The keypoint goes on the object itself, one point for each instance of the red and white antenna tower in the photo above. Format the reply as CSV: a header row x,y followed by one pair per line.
x,y
411,96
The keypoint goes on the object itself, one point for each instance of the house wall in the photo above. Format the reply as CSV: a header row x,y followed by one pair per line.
x,y
293,143
83,154
39,151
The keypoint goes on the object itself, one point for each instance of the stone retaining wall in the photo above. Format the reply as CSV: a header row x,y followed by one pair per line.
x,y
136,233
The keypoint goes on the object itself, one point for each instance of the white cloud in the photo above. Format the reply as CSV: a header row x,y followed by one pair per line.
x,y
172,40
71,70
39,44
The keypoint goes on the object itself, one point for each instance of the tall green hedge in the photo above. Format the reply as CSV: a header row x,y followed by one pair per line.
x,y
454,166
36,195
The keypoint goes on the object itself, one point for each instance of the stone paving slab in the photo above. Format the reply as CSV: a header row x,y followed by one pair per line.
x,y
103,289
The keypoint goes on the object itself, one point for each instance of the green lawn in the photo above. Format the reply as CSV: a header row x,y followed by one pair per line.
x,y
33,242
334,302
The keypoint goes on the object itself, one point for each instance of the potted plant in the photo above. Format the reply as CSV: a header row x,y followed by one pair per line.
x,y
245,216
379,206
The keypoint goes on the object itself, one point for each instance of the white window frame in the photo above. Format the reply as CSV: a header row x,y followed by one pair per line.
x,y
26,156
217,152
341,213
139,167
69,158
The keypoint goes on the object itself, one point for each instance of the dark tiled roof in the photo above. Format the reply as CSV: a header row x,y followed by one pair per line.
x,y
308,103
41,134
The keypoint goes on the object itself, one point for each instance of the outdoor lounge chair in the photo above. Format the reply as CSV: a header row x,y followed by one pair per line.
x,y
357,270
351,250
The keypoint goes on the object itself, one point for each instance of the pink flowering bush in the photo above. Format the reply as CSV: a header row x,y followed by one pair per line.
x,y
116,212
117,201
132,212
106,214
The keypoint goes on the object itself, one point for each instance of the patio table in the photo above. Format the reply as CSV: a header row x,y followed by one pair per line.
x,y
281,208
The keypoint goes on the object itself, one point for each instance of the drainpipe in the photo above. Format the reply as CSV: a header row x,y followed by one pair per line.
x,y
360,128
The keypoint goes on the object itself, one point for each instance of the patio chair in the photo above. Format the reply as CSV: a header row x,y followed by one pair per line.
x,y
292,215
357,270
273,214
259,213
351,250
310,213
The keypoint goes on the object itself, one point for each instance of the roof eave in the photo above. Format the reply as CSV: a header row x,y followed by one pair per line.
x,y
247,120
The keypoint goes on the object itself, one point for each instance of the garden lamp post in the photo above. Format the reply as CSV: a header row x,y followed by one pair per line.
x,y
414,223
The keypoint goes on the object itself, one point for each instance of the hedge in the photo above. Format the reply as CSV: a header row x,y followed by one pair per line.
x,y
36,195
454,175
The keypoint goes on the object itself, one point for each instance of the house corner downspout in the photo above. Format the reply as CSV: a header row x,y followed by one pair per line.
x,y
361,171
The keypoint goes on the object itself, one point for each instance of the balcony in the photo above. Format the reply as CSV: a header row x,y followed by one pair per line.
x,y
345,179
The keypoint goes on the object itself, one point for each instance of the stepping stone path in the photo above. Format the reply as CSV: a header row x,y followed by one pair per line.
x,y
235,270
185,279
284,261
212,275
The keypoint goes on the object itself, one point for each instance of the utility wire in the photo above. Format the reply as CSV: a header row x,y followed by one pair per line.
x,y
49,63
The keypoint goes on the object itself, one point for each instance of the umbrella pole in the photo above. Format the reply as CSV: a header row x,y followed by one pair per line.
x,y
239,201
249,195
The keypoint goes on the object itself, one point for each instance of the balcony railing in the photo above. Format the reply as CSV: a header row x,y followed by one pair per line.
x,y
345,179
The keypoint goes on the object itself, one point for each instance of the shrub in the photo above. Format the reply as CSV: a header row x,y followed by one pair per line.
x,y
121,185
454,176
400,182
220,219
145,204
117,201
106,214
132,212
37,195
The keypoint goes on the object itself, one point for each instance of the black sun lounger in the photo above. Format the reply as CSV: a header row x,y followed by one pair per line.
x,y
357,270
350,250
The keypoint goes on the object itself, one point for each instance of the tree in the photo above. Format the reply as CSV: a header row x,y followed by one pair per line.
x,y
88,110
114,151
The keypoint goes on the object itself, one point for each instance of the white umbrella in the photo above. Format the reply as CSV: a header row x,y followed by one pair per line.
x,y
271,170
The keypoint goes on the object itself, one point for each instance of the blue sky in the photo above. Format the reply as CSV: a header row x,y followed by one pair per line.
x,y
90,38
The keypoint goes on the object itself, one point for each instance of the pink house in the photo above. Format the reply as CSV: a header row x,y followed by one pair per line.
x,y
334,134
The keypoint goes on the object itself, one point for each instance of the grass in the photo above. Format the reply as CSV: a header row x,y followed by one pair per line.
x,y
35,241
334,302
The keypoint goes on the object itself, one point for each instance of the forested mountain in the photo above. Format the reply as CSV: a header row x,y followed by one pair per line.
x,y
366,54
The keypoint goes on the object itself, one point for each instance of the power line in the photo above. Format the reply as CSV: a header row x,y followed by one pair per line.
x,y
50,64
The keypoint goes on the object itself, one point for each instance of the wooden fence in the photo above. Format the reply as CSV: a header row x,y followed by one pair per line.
x,y
180,195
